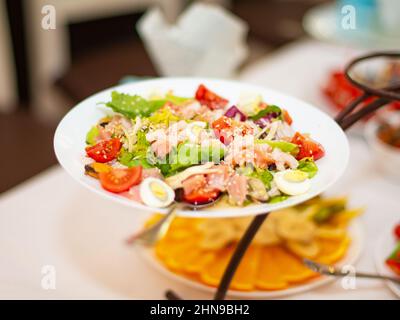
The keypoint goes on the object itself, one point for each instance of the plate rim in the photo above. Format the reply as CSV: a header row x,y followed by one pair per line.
x,y
235,211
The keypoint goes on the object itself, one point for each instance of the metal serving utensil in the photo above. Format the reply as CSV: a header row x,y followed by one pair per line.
x,y
336,272
149,236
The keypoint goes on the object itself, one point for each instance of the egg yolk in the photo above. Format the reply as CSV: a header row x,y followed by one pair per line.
x,y
158,191
295,176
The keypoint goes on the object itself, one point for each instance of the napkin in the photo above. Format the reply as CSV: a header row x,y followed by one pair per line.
x,y
206,40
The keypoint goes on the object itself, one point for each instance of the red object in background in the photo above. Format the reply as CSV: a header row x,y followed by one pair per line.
x,y
395,266
209,98
393,261
307,147
397,232
104,151
341,92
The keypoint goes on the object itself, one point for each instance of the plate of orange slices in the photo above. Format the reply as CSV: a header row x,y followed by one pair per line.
x,y
196,251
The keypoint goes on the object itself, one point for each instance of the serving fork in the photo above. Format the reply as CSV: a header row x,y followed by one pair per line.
x,y
150,235
336,272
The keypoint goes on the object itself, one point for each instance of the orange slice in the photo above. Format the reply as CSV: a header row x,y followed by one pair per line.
x,y
246,274
174,253
291,267
212,272
198,261
269,276
332,251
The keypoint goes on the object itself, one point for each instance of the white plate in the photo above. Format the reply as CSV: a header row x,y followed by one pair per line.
x,y
69,139
351,257
384,248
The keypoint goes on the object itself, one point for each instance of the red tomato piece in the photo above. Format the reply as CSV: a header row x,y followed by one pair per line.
x,y
120,180
201,196
209,98
104,151
222,123
307,147
223,128
286,117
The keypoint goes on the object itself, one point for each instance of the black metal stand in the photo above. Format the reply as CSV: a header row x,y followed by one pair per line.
x,y
346,118
237,256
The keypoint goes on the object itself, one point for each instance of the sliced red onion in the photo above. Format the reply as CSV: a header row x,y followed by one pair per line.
x,y
262,123
233,111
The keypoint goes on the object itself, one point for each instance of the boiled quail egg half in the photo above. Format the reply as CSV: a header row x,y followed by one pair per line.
x,y
292,182
156,193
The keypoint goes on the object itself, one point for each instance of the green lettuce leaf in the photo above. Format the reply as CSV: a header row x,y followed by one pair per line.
x,y
186,155
189,154
176,100
130,160
139,154
282,145
264,112
277,199
132,106
163,116
92,135
265,176
308,165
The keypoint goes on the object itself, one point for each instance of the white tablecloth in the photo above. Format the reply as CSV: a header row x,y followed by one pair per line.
x,y
51,220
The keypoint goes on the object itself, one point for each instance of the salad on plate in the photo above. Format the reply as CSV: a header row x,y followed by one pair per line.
x,y
149,149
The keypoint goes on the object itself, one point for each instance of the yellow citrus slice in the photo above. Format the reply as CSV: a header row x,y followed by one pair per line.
x,y
212,272
246,274
332,251
174,252
269,276
291,267
199,260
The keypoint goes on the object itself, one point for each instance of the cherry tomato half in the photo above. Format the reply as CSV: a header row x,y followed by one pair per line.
x,y
201,196
286,117
223,129
120,180
307,147
104,151
209,98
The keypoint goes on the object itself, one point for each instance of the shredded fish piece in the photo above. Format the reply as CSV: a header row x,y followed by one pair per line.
x,y
175,181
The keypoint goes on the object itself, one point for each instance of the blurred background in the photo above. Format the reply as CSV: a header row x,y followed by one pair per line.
x,y
50,61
